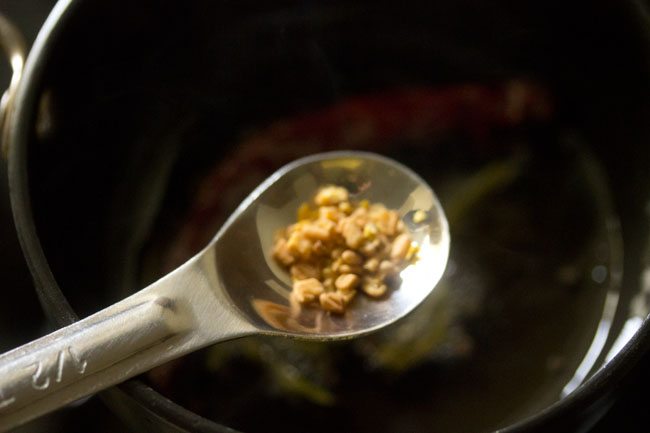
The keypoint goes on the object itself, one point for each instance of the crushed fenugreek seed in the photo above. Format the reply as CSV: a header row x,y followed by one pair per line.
x,y
339,247
419,216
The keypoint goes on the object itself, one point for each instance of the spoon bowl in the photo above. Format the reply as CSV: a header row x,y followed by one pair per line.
x,y
260,289
231,289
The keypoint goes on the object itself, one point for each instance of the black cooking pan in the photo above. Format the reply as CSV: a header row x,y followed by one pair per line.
x,y
125,108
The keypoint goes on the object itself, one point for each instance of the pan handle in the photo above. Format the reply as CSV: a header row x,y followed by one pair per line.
x,y
13,44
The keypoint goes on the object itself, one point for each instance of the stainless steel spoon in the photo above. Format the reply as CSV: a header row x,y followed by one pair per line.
x,y
230,289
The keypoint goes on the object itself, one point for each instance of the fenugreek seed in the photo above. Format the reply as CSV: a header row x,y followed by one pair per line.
x,y
419,216
305,249
295,306
293,241
370,248
347,282
371,265
298,245
360,213
374,288
380,220
345,207
370,230
336,253
330,213
331,195
332,302
351,258
314,232
386,267
320,249
282,254
307,290
293,298
413,250
328,284
328,225
302,271
350,269
391,223
304,212
386,249
340,225
353,235
348,296
400,246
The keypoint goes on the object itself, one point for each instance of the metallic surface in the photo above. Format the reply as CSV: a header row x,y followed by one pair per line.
x,y
216,295
14,47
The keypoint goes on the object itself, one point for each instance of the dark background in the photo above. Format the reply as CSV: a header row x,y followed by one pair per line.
x,y
21,319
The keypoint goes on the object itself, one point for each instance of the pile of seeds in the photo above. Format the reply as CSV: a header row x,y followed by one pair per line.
x,y
339,247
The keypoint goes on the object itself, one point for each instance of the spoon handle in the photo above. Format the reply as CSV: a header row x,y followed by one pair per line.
x,y
182,312
50,364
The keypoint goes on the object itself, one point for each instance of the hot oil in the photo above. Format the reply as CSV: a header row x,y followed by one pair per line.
x,y
509,330
532,279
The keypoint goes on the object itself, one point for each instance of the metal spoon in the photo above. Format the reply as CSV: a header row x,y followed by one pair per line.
x,y
230,289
